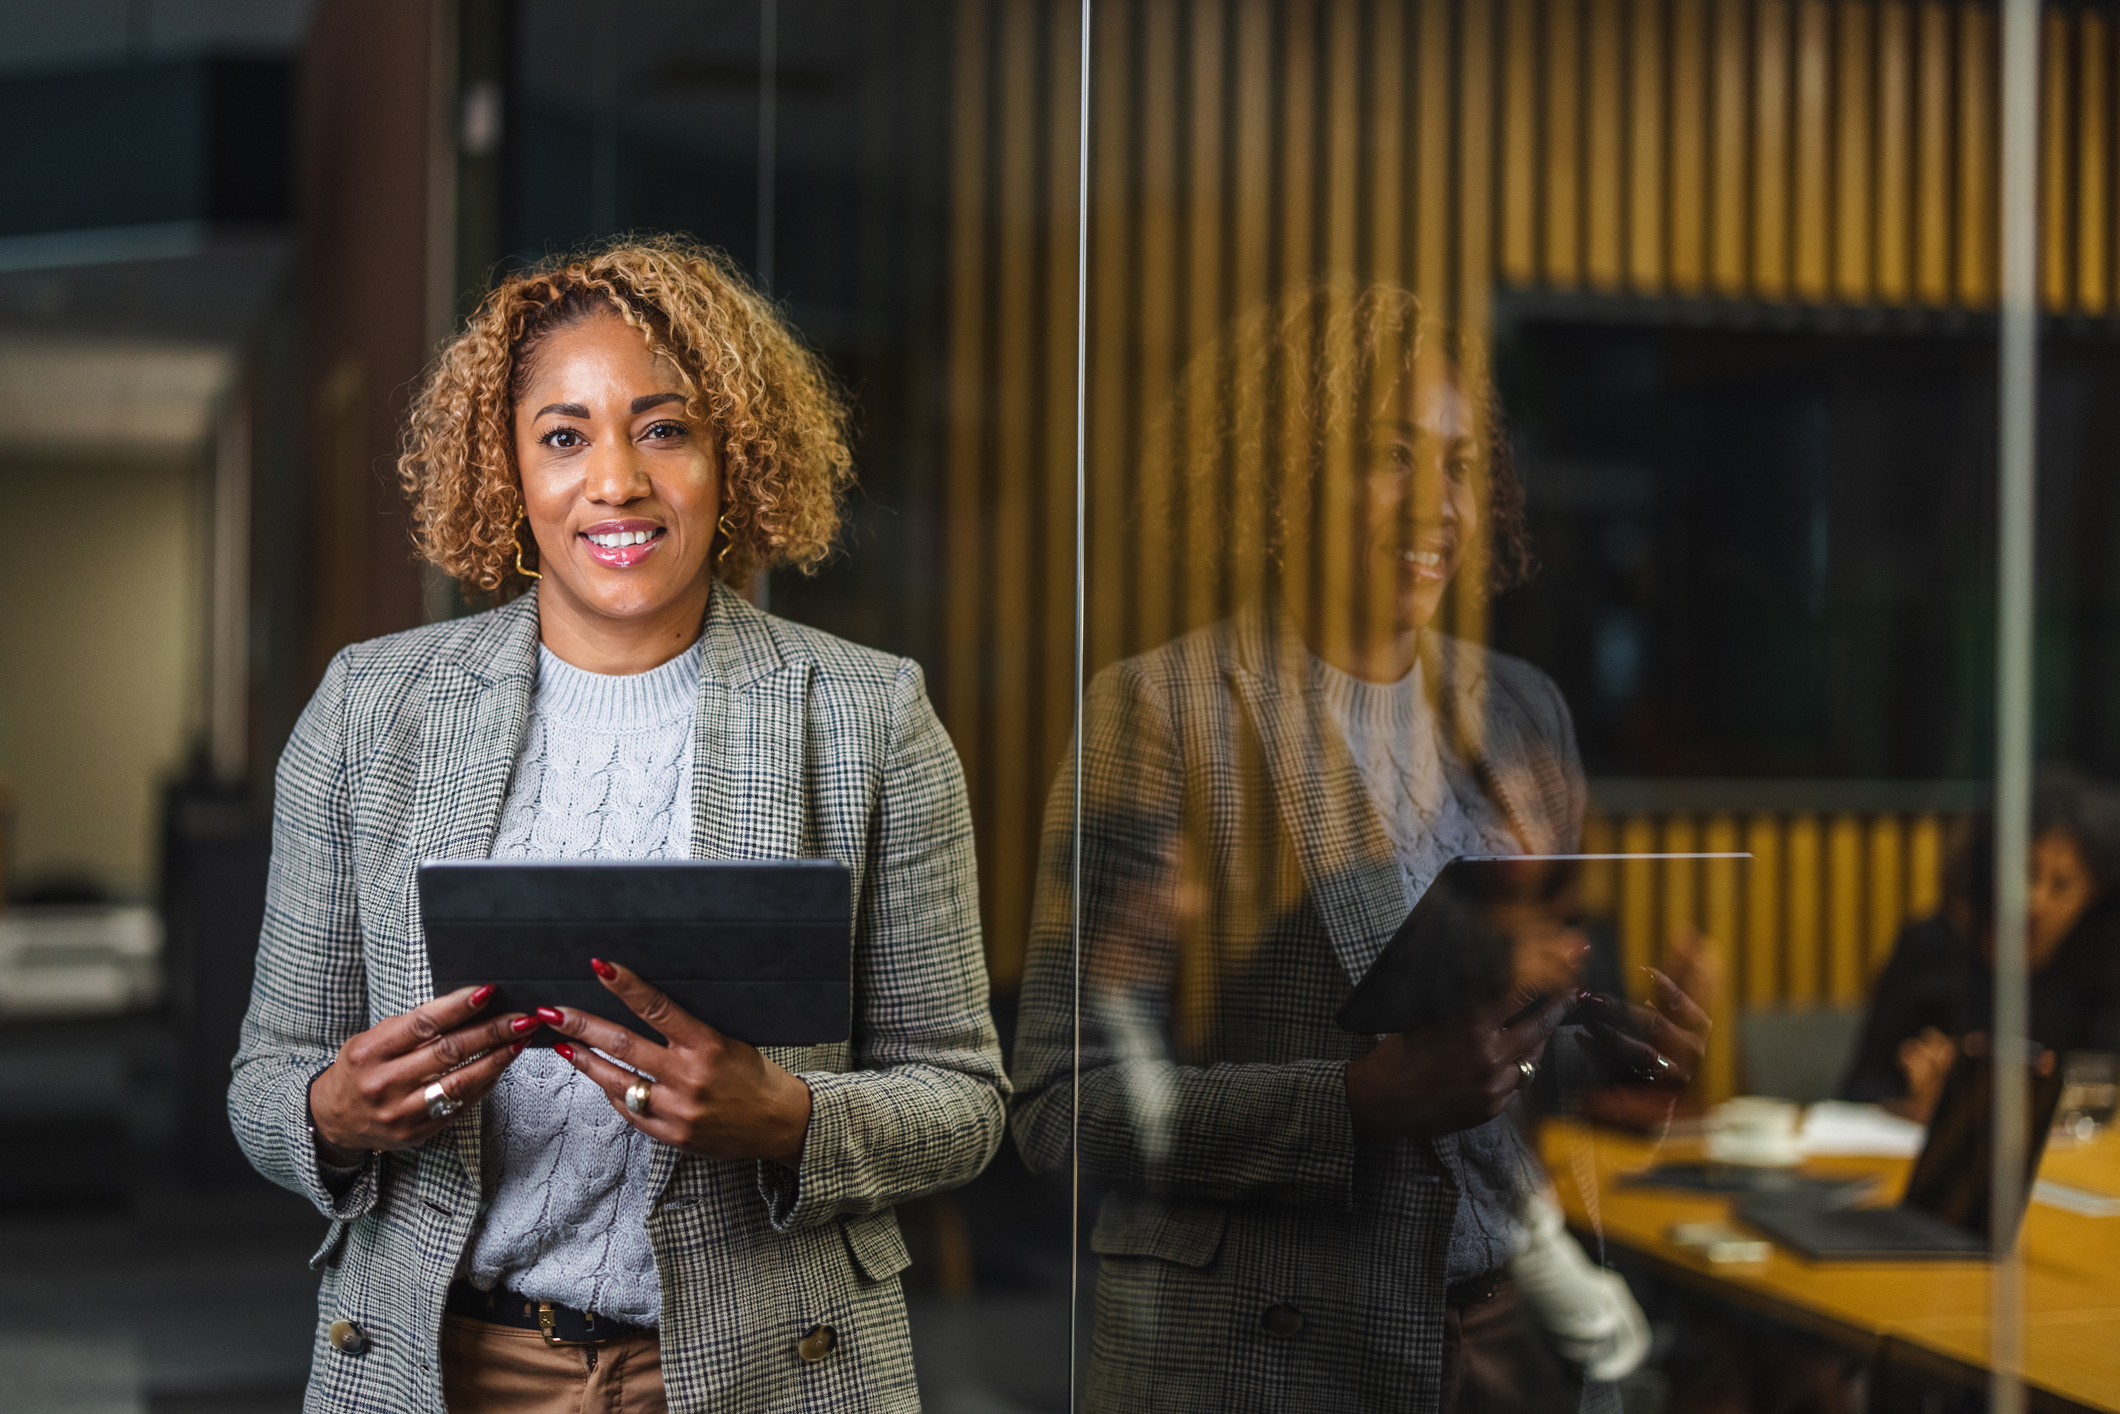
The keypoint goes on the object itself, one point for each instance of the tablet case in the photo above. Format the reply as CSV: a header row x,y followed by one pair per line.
x,y
761,950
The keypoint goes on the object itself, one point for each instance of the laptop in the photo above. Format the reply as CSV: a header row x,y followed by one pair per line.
x,y
761,950
1945,1213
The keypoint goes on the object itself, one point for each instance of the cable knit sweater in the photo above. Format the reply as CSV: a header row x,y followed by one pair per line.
x,y
604,772
1432,809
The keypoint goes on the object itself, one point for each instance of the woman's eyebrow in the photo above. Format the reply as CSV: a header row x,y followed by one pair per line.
x,y
564,410
643,403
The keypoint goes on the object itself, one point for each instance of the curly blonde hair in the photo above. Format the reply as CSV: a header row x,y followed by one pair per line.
x,y
778,416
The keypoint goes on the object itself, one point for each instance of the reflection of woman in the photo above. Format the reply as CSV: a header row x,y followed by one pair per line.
x,y
706,1225
1297,1217
1940,982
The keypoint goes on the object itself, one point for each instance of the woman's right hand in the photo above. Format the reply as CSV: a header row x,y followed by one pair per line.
x,y
1924,1060
1451,1076
371,1097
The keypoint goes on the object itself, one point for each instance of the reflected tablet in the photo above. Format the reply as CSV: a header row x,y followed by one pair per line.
x,y
759,949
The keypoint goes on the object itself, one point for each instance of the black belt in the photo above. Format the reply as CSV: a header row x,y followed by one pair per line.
x,y
1472,1291
559,1325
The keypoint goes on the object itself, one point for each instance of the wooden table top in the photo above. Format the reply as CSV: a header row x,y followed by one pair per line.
x,y
2071,1262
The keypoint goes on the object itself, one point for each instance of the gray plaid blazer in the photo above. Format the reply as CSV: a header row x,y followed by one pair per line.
x,y
1235,881
803,746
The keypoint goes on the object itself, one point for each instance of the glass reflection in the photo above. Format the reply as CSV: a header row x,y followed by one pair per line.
x,y
1290,1209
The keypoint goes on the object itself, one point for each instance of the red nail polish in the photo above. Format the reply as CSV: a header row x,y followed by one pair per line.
x,y
516,1049
524,1025
551,1015
482,996
603,969
566,1052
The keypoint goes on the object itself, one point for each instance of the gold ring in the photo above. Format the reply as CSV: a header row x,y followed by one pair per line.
x,y
638,1098
440,1104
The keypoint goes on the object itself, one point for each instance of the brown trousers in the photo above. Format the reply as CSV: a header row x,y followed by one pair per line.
x,y
1494,1362
490,1369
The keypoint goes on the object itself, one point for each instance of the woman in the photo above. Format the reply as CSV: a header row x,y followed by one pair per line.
x,y
612,443
1940,983
1296,1217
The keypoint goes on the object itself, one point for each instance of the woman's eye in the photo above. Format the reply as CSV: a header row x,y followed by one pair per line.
x,y
1459,468
664,431
563,437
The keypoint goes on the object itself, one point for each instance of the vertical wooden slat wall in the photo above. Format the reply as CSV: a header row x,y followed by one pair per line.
x,y
1820,151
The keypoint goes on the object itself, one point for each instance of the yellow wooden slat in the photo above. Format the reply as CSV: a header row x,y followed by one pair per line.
x,y
1205,223
1895,151
1771,121
1603,192
2056,281
1679,881
1600,876
1156,282
1977,136
1106,597
2094,148
1722,890
1932,155
1335,525
1924,866
1010,842
1637,901
1387,124
1476,175
1432,142
1855,125
1055,557
1803,876
1646,223
1298,199
1845,969
1519,142
1689,147
1729,217
1810,271
1886,891
1561,132
1762,949
1252,268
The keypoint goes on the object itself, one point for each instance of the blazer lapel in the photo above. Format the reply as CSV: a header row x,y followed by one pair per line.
x,y
749,760
1347,862
470,732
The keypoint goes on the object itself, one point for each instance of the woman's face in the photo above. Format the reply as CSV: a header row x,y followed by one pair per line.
x,y
622,490
1418,508
2062,888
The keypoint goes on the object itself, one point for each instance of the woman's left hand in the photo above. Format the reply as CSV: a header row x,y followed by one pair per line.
x,y
709,1094
1664,1041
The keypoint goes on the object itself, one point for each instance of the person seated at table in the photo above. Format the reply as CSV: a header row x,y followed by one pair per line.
x,y
1940,983
1296,1216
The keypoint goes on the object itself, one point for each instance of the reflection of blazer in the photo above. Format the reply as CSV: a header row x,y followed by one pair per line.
x,y
802,745
1235,880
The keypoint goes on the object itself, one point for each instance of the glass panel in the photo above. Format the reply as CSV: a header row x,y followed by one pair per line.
x,y
1540,427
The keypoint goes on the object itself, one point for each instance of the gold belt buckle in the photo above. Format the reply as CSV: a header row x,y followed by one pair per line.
x,y
547,1324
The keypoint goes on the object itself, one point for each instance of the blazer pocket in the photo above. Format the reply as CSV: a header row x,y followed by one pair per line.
x,y
874,1242
1171,1229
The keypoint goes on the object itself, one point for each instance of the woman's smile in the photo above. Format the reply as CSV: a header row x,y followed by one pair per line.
x,y
622,544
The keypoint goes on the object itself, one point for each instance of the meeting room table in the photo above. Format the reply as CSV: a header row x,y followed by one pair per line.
x,y
1928,1318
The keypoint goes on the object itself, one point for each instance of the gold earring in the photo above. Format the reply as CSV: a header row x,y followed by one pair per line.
x,y
516,534
728,539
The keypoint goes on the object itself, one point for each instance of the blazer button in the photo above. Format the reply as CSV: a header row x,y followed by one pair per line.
x,y
1282,1320
816,1345
348,1337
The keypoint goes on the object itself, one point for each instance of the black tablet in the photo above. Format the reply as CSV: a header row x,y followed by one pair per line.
x,y
758,949
1486,928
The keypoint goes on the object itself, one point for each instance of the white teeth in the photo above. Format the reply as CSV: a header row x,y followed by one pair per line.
x,y
619,540
1427,559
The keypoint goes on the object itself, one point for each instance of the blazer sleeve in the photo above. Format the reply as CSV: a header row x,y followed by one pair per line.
x,y
926,1107
1136,1117
309,991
